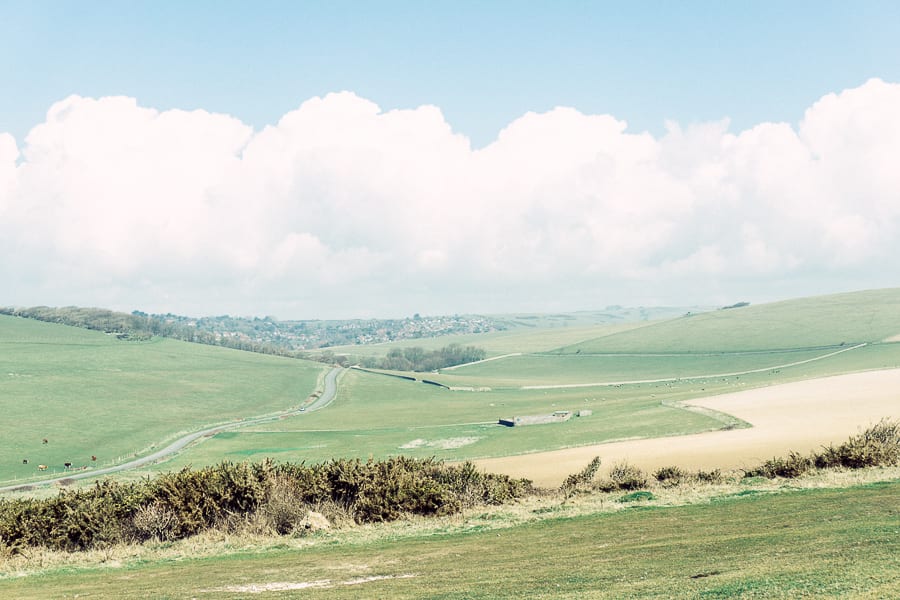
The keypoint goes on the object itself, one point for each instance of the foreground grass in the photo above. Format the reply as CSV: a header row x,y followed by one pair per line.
x,y
757,539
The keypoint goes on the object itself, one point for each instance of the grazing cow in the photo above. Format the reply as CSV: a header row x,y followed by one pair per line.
x,y
67,465
24,461
42,467
44,441
93,458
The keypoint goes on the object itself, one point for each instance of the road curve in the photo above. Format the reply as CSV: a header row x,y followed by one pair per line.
x,y
329,392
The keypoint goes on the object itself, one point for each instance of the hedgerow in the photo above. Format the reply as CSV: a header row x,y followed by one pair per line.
x,y
878,445
184,503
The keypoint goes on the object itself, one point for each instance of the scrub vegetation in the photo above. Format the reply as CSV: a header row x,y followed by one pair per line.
x,y
251,528
274,497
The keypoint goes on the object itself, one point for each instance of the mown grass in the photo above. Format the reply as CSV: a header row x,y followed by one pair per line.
x,y
822,543
89,394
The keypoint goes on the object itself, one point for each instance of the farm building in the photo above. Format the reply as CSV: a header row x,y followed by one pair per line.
x,y
557,417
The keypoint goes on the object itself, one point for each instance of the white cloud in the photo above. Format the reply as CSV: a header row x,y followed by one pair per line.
x,y
343,209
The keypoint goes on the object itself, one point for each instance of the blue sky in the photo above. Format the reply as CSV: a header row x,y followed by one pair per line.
x,y
198,158
483,63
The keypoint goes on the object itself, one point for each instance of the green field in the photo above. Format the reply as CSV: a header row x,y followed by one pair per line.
x,y
821,543
382,416
88,393
376,415
868,316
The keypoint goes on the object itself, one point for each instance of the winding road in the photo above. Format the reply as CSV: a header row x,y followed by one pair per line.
x,y
329,392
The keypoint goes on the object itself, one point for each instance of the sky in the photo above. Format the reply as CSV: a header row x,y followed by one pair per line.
x,y
379,159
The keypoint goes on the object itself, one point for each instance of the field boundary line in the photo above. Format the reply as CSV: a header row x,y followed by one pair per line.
x,y
478,362
556,386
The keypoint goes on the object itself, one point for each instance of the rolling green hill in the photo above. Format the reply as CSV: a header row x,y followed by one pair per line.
x,y
868,316
90,394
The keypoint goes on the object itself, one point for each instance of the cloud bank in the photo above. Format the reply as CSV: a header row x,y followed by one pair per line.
x,y
342,209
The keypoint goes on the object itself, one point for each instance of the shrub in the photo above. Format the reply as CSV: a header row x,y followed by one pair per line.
x,y
670,476
793,466
275,498
714,476
623,476
154,521
583,478
878,445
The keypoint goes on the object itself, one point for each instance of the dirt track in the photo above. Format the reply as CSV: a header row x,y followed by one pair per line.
x,y
798,416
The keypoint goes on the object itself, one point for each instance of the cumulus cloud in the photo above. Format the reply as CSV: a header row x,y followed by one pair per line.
x,y
343,209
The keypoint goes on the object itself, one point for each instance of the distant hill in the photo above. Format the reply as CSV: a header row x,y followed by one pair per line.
x,y
849,318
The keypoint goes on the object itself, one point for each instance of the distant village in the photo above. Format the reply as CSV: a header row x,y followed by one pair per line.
x,y
312,335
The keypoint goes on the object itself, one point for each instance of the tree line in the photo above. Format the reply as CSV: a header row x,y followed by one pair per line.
x,y
417,358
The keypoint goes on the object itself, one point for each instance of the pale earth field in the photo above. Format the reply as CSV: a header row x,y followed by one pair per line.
x,y
800,416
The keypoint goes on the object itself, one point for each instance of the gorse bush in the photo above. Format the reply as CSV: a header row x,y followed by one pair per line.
x,y
581,479
670,476
878,445
794,465
623,476
184,503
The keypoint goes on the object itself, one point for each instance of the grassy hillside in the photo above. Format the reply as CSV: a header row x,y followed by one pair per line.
x,y
823,543
868,316
88,393
383,416
517,339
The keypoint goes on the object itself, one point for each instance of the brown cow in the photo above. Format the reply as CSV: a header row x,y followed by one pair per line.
x,y
93,458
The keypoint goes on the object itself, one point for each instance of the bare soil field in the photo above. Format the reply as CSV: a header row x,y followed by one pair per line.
x,y
799,416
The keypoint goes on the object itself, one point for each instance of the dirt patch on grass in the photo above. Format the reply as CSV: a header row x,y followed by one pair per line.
x,y
801,416
444,444
893,338
286,586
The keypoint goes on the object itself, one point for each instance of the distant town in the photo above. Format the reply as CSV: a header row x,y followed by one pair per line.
x,y
313,335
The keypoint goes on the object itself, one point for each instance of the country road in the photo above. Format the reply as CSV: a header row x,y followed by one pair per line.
x,y
329,392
